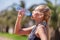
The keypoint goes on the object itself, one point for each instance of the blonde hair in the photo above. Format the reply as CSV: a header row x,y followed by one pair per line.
x,y
46,13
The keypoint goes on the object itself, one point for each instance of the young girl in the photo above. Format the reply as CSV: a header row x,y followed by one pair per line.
x,y
40,15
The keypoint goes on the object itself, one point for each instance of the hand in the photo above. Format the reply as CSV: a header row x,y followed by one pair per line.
x,y
20,13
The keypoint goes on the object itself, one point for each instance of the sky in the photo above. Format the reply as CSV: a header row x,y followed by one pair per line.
x,y
5,3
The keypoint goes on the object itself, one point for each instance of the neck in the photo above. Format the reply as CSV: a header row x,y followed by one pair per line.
x,y
38,22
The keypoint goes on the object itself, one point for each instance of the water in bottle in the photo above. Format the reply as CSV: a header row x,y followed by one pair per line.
x,y
27,12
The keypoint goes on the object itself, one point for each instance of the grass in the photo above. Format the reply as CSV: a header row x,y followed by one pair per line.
x,y
13,36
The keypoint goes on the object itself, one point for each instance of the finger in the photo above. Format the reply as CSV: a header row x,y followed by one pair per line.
x,y
19,12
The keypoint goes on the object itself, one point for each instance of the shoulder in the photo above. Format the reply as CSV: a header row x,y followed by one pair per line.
x,y
40,28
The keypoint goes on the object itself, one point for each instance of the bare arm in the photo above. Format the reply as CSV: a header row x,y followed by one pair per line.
x,y
18,30
42,32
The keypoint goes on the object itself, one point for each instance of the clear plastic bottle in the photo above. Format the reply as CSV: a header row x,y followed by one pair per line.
x,y
27,12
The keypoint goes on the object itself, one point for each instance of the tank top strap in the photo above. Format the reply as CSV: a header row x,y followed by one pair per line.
x,y
44,23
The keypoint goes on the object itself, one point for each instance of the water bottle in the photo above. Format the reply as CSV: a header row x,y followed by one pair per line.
x,y
27,12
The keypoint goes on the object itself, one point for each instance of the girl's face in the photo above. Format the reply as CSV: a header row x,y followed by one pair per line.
x,y
37,15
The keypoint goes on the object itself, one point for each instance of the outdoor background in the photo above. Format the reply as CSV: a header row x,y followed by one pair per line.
x,y
8,16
